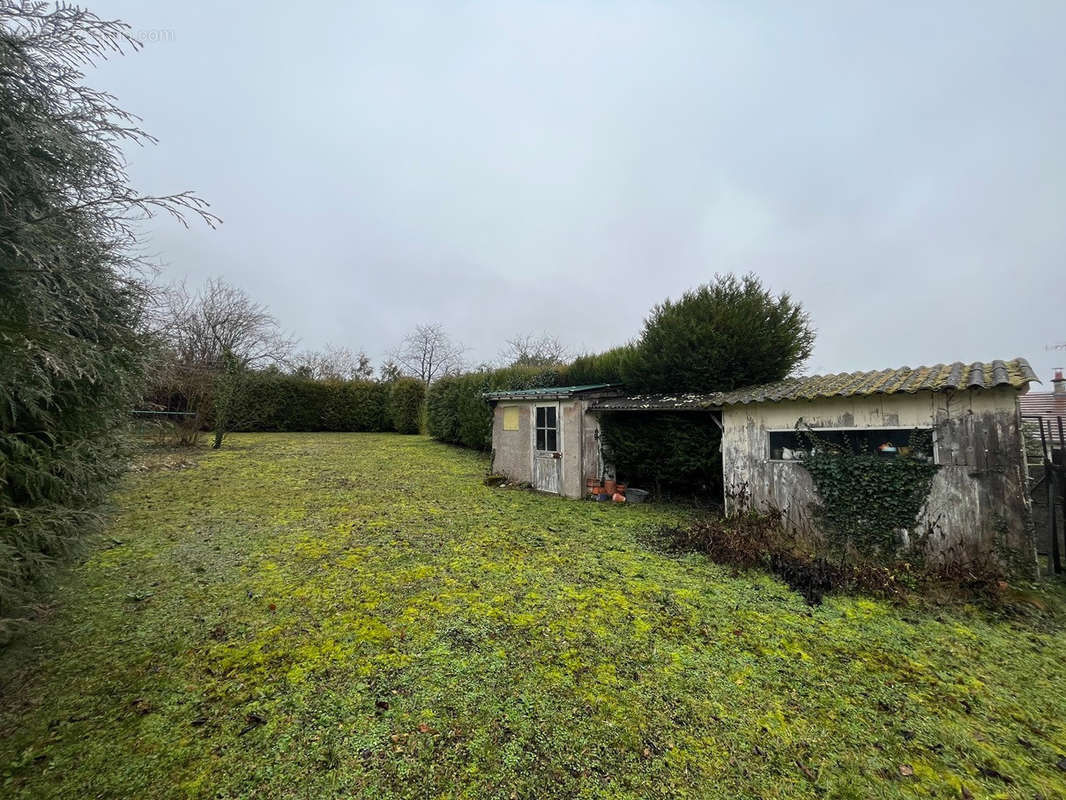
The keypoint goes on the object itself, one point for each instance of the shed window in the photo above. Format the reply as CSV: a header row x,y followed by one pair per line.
x,y
510,418
791,445
547,429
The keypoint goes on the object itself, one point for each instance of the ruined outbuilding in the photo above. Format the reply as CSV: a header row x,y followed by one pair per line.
x,y
547,437
969,414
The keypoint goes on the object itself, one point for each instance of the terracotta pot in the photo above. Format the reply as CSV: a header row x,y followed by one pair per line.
x,y
610,486
592,484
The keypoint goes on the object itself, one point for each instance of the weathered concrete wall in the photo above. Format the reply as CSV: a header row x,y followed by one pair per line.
x,y
570,412
591,454
512,451
978,499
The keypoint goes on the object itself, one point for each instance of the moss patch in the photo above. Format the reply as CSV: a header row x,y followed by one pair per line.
x,y
313,615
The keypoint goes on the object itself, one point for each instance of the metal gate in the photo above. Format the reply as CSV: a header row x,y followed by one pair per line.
x,y
1048,488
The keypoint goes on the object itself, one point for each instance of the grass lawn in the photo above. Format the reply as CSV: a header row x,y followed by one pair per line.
x,y
314,615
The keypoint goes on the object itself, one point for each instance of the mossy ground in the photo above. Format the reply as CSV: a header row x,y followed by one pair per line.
x,y
356,615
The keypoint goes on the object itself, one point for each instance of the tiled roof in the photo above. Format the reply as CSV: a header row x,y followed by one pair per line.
x,y
1043,404
941,377
545,393
938,378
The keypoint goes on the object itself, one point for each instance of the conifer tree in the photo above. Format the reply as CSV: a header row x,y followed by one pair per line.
x,y
72,295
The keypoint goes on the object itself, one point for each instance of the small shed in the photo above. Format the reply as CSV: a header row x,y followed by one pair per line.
x,y
978,500
547,438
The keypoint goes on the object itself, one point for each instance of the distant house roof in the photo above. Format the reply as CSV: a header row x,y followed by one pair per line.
x,y
1043,404
941,377
547,393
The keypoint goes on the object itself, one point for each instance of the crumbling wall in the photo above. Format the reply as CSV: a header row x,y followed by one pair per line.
x,y
512,451
978,506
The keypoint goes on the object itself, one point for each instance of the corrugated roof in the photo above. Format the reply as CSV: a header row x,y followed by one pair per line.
x,y
546,392
1043,404
940,377
658,402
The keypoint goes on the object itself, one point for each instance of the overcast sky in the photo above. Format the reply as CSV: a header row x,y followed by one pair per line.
x,y
506,168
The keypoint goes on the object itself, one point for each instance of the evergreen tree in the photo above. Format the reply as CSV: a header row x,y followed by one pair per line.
x,y
721,336
71,299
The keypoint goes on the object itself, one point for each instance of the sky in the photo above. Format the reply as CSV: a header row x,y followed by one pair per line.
x,y
511,168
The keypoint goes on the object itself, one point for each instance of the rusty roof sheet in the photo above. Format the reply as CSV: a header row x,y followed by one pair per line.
x,y
658,402
1015,373
546,392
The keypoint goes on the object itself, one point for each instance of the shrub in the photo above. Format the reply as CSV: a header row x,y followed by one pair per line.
x,y
406,396
743,540
753,539
757,540
718,337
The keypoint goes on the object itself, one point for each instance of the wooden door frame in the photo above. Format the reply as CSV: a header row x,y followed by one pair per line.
x,y
559,442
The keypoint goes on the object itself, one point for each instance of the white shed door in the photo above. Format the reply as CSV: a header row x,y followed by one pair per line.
x,y
547,448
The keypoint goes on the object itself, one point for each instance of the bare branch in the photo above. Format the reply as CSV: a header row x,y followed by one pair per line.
x,y
220,318
333,363
534,351
427,353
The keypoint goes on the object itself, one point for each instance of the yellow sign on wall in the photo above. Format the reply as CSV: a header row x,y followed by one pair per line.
x,y
510,418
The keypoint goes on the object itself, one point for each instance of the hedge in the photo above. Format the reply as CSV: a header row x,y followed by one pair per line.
x,y
456,411
406,396
271,401
606,367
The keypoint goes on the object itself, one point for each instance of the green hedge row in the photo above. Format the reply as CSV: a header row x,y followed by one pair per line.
x,y
270,401
457,413
406,397
607,367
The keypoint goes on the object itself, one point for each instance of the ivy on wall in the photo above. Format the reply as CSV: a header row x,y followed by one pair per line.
x,y
867,500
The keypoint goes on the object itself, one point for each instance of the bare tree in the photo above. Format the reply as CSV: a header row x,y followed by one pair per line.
x,y
205,340
333,363
221,318
534,351
428,352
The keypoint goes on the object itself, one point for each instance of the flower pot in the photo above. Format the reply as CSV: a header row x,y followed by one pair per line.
x,y
636,496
